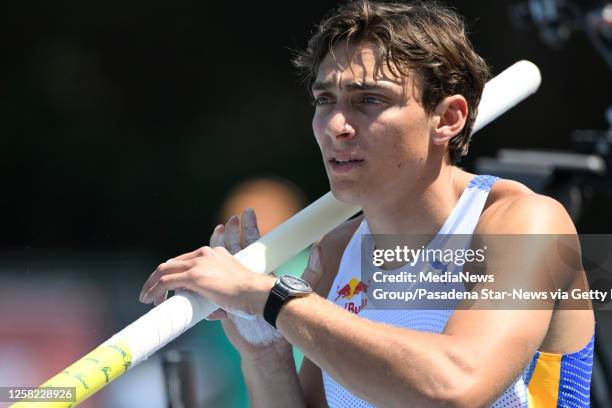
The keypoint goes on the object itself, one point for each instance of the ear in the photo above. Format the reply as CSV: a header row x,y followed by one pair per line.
x,y
449,118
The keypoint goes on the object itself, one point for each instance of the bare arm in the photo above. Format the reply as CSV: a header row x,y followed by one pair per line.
x,y
385,364
269,370
332,247
268,375
312,384
272,380
271,377
459,367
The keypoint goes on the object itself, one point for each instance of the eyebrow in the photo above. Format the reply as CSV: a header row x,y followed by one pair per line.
x,y
353,86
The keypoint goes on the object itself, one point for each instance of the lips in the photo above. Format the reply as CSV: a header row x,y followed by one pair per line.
x,y
345,157
345,163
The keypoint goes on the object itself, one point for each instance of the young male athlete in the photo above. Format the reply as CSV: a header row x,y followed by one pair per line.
x,y
395,88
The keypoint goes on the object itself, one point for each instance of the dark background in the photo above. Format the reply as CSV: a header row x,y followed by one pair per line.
x,y
124,124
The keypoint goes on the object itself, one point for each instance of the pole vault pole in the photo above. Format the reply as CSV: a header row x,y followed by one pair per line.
x,y
167,321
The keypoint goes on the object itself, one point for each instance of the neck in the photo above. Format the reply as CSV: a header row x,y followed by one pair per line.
x,y
422,209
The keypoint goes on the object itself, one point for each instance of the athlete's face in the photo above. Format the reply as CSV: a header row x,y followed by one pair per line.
x,y
370,126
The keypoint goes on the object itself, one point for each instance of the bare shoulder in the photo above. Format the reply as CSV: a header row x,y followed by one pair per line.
x,y
513,208
338,237
332,247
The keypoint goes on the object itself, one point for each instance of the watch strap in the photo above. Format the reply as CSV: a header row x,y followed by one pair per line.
x,y
275,302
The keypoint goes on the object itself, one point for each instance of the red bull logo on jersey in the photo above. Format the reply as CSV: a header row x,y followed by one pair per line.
x,y
349,291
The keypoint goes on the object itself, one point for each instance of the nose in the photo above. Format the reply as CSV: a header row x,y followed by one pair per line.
x,y
338,126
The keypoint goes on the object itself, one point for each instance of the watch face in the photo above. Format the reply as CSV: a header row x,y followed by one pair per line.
x,y
295,283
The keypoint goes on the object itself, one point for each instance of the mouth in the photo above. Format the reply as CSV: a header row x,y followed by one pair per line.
x,y
345,164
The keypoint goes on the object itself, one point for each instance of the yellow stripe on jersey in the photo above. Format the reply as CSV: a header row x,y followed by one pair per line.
x,y
544,383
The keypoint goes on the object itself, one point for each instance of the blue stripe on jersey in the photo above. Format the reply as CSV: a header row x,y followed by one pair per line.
x,y
575,381
482,182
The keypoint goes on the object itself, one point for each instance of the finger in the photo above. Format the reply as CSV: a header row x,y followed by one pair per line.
x,y
166,268
232,235
218,236
190,255
160,299
165,283
250,232
217,315
314,271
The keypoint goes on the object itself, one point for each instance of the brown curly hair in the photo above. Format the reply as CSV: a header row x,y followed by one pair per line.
x,y
426,38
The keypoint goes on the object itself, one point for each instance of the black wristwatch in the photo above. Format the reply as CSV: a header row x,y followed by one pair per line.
x,y
286,288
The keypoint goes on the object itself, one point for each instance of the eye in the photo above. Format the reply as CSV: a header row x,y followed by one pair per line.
x,y
371,100
321,100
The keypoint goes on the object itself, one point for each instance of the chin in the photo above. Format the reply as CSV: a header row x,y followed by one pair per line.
x,y
346,192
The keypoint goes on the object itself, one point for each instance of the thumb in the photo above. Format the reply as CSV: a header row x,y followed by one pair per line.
x,y
314,271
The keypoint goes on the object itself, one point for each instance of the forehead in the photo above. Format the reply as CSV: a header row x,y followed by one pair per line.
x,y
357,63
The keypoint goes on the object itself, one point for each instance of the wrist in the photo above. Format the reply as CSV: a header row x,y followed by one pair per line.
x,y
285,289
263,285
